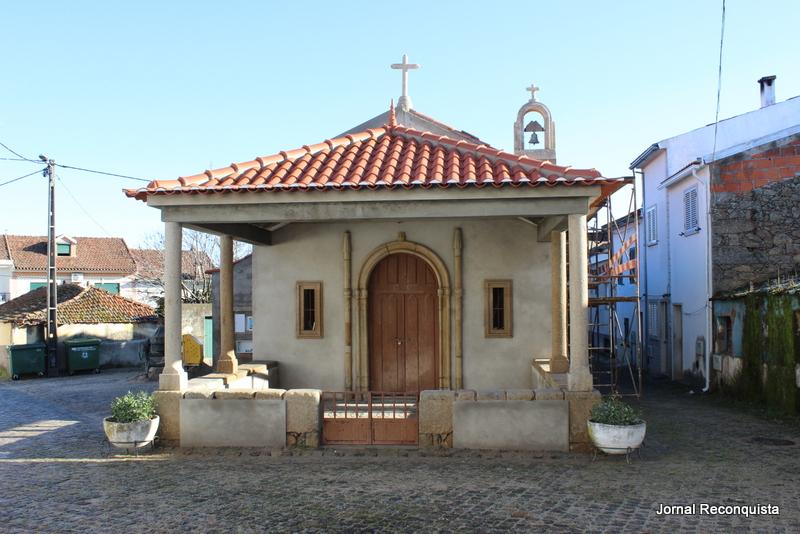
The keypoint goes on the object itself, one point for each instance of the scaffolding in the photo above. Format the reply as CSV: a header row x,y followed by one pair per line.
x,y
615,319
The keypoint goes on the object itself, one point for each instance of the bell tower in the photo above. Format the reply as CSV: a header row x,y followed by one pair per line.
x,y
535,122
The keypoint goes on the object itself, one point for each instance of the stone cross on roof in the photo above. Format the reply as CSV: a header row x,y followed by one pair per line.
x,y
405,66
533,89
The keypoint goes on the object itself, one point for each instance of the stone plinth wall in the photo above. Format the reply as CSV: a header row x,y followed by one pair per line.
x,y
520,419
272,418
756,216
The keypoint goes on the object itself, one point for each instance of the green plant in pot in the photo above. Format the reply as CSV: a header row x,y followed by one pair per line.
x,y
615,426
133,422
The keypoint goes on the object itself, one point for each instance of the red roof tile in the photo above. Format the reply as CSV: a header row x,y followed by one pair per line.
x,y
4,253
92,254
381,158
76,305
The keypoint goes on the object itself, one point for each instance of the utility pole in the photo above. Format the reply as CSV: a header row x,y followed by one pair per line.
x,y
51,332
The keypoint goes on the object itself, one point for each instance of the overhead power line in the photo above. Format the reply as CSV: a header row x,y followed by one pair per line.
x,y
84,210
38,171
20,157
102,172
16,153
719,79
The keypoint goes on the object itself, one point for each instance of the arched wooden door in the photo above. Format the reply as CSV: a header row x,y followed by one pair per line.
x,y
403,325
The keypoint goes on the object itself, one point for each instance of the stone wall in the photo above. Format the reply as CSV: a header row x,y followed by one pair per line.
x,y
756,215
273,418
548,419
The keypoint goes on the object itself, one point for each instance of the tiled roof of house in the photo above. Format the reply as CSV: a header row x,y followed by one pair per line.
x,y
4,254
390,157
150,263
76,305
92,254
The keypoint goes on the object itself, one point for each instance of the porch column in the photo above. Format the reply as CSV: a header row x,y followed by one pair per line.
x,y
579,377
226,362
558,281
173,378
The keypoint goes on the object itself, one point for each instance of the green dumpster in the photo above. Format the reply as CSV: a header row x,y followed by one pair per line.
x,y
24,359
83,355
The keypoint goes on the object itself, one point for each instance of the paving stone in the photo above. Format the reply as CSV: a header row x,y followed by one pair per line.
x,y
698,449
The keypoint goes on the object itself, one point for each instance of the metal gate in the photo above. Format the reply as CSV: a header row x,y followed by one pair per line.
x,y
370,418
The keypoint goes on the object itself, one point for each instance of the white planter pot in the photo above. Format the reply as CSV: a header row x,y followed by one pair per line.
x,y
131,435
617,439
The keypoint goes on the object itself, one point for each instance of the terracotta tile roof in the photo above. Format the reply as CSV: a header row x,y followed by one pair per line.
x,y
76,305
150,263
4,254
92,254
391,157
413,119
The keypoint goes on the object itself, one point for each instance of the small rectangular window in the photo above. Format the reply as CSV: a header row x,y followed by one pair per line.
x,y
724,338
651,228
498,310
63,249
309,309
690,216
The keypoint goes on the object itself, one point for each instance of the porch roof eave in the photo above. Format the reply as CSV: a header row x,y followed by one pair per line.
x,y
249,217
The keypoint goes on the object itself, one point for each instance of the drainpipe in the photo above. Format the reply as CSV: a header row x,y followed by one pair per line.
x,y
709,276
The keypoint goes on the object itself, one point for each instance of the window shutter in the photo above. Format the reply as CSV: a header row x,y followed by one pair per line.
x,y
650,225
690,209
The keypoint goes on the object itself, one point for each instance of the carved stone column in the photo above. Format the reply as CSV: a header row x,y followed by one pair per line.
x,y
558,281
173,378
348,313
227,362
579,377
459,293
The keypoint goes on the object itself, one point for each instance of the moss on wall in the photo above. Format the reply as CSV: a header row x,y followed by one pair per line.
x,y
768,338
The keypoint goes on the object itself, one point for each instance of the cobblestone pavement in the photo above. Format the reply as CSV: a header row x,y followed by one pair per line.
x,y
56,475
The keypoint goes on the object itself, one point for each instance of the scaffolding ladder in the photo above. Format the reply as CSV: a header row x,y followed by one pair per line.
x,y
615,329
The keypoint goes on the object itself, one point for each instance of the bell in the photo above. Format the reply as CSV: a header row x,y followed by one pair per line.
x,y
534,139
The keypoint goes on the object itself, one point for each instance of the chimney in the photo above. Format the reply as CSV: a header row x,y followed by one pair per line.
x,y
767,84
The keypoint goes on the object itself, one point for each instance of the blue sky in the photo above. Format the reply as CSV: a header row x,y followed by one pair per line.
x,y
158,90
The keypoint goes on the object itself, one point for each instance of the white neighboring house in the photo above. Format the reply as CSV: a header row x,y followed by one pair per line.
x,y
102,262
687,255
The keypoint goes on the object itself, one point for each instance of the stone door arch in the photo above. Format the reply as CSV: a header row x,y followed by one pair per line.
x,y
443,307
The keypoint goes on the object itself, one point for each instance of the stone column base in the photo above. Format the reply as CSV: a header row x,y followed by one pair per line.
x,y
579,379
169,380
559,364
580,407
168,406
228,363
